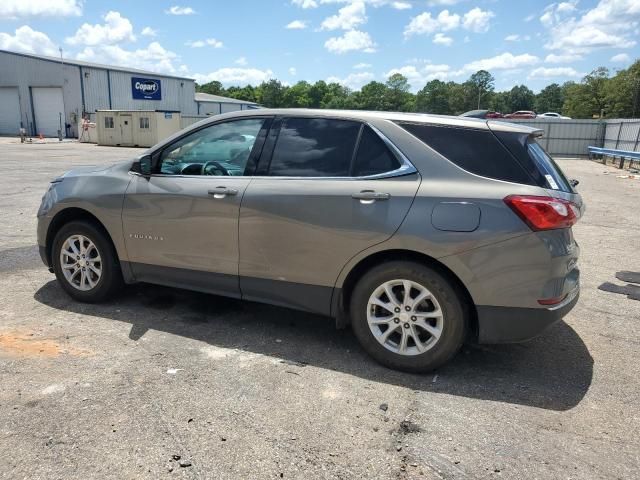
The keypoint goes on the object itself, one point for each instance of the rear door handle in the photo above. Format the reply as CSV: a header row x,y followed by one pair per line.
x,y
221,192
369,196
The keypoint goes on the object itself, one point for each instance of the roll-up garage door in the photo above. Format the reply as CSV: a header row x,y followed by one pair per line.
x,y
9,111
48,108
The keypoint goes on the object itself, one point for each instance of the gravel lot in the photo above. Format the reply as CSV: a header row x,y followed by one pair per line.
x,y
241,390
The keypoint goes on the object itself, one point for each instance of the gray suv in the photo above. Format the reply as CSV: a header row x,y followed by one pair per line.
x,y
418,231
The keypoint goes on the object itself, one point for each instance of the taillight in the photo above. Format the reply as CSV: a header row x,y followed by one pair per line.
x,y
543,213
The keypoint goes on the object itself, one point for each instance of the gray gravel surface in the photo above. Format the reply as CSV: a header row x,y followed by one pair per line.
x,y
164,383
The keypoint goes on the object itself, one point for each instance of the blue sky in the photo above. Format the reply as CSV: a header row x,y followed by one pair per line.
x,y
351,41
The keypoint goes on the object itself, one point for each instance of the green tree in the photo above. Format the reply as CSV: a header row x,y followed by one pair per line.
x,y
337,97
622,93
576,101
481,83
550,99
398,98
434,98
272,94
316,93
373,96
520,98
297,96
212,88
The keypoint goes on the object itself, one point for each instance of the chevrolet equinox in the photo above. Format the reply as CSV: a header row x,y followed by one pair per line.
x,y
418,231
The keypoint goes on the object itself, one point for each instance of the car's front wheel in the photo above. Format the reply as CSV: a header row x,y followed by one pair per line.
x,y
85,262
408,316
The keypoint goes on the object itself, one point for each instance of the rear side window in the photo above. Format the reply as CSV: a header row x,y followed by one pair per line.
x,y
476,151
373,156
314,147
544,171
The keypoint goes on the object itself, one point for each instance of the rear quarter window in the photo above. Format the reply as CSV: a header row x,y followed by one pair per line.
x,y
476,151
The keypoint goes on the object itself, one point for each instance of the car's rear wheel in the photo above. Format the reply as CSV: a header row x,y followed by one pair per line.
x,y
408,316
85,262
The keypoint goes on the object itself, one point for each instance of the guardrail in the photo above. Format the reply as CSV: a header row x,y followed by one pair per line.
x,y
624,155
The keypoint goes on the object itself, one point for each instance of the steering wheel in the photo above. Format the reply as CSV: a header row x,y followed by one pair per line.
x,y
217,166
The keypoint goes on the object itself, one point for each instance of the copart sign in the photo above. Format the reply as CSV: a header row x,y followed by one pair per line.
x,y
146,88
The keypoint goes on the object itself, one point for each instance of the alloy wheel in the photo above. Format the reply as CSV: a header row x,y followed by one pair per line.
x,y
405,317
80,262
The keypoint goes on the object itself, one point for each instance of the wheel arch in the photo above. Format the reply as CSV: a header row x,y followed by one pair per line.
x,y
67,215
340,303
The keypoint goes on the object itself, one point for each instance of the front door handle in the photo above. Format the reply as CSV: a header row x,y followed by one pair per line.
x,y
221,192
367,197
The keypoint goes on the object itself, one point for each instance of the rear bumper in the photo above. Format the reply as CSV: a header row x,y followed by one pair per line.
x,y
511,324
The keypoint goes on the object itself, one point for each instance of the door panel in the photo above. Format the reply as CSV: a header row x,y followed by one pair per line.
x,y
304,231
181,224
175,222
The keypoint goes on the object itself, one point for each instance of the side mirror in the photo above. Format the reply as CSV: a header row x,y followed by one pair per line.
x,y
142,165
574,182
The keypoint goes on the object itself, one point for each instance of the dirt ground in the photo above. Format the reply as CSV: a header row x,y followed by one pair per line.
x,y
159,377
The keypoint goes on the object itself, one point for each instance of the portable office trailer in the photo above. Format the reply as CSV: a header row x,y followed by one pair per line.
x,y
135,128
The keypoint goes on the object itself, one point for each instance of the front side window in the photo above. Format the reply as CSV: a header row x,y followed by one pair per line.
x,y
314,147
144,122
108,122
220,149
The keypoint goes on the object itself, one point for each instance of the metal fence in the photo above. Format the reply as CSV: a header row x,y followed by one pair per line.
x,y
623,134
568,138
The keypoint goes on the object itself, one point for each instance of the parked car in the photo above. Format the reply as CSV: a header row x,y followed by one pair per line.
x,y
482,114
418,231
554,115
521,114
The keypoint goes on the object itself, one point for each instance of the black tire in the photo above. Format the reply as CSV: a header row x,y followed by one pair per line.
x,y
110,280
452,304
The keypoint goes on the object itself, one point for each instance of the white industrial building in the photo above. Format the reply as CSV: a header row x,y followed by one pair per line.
x,y
46,94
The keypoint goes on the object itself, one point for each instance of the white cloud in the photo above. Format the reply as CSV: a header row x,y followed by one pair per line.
x,y
212,42
116,29
305,3
149,32
502,62
562,58
353,40
448,21
154,57
421,24
178,10
355,81
418,76
544,72
442,39
477,20
361,66
401,5
438,3
242,61
12,9
347,18
517,38
29,41
621,58
292,71
296,25
235,76
610,24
